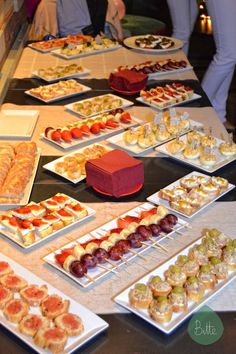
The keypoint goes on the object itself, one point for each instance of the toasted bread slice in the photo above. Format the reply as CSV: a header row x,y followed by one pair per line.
x,y
54,306
5,296
15,310
13,282
70,323
53,339
31,324
34,294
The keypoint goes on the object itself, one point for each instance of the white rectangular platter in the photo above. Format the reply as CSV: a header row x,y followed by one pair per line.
x,y
135,149
41,50
15,238
97,273
26,195
51,165
124,104
93,324
58,98
92,138
177,318
221,160
193,98
58,53
155,199
169,72
15,123
81,73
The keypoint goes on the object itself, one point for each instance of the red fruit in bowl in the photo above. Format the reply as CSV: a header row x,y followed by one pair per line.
x,y
76,133
95,128
66,136
125,117
56,135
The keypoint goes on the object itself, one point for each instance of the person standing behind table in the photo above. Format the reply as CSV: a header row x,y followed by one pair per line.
x,y
217,79
183,15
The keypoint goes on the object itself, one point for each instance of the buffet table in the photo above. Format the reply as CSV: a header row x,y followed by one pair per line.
x,y
127,333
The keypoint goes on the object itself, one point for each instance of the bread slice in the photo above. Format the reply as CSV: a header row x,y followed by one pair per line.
x,y
13,282
53,306
34,294
70,323
32,323
5,296
53,339
15,310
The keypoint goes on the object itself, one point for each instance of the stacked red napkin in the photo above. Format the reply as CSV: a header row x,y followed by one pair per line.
x,y
115,173
128,80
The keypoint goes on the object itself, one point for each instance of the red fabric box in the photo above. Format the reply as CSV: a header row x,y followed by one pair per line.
x,y
115,173
128,80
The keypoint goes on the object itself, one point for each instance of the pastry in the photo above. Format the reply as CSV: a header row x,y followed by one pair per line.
x,y
195,290
160,309
219,268
5,268
159,287
31,323
70,323
175,276
53,306
140,296
199,254
5,296
206,277
178,299
34,294
190,267
15,310
13,282
53,339
229,256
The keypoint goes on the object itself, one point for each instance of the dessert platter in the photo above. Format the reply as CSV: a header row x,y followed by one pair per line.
x,y
114,244
18,165
153,43
72,166
168,295
200,150
191,193
57,91
56,43
158,68
98,104
170,95
89,130
55,73
17,123
142,139
41,315
92,46
31,224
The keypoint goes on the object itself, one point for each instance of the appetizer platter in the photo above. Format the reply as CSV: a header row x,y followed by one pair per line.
x,y
28,311
98,104
72,166
57,91
158,68
168,295
200,150
96,45
115,243
191,193
15,123
31,224
90,130
153,43
170,95
55,73
18,165
142,139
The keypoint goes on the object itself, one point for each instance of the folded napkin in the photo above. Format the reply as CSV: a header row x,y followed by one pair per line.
x,y
128,80
115,173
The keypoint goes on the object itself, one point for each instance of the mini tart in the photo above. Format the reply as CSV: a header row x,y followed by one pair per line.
x,y
15,310
160,310
195,290
13,282
31,323
178,299
208,159
34,294
159,287
206,277
175,276
189,183
199,193
166,194
219,268
210,188
175,146
53,306
53,339
179,192
5,268
70,323
140,296
220,182
191,153
194,202
5,296
182,206
199,254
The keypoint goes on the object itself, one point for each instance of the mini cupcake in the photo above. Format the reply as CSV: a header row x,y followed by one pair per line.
x,y
219,268
199,254
160,310
159,287
206,277
140,296
195,289
175,276
178,299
